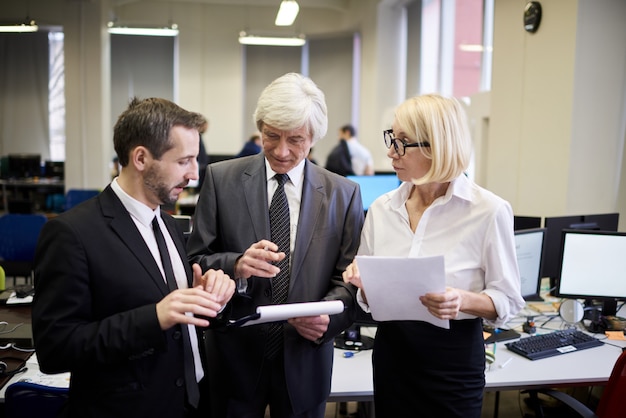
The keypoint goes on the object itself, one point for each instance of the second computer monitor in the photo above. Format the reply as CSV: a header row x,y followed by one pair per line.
x,y
593,267
555,226
529,252
526,222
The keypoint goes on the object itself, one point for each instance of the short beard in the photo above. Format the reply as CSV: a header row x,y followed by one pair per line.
x,y
153,182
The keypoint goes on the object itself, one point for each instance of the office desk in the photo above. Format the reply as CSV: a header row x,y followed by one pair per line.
x,y
13,315
17,314
30,189
33,374
352,377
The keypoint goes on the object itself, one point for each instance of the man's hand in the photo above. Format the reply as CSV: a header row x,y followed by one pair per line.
x,y
215,282
184,306
258,260
311,327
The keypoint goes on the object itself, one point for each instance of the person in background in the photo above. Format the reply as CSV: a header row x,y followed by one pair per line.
x,y
251,147
339,160
438,210
115,303
360,157
286,366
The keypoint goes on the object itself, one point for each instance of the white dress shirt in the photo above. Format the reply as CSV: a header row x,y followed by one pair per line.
x,y
293,190
360,157
470,226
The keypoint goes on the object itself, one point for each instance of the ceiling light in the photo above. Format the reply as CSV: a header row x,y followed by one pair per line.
x,y
124,30
246,39
287,13
29,26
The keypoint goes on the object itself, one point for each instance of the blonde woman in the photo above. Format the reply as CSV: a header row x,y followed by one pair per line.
x,y
420,369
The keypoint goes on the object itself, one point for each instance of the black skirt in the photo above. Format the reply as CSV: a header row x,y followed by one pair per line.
x,y
421,370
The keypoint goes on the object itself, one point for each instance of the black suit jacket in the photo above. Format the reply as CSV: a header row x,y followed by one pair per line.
x,y
94,314
232,213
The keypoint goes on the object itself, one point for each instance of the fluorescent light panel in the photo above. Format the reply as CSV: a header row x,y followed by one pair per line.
x,y
270,41
143,31
23,27
287,13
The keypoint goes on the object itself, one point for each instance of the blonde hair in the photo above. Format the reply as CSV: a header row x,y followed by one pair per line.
x,y
442,123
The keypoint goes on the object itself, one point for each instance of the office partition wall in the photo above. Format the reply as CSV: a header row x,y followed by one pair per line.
x,y
328,61
141,66
24,94
332,66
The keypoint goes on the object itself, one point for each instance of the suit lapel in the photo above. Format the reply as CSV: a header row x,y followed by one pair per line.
x,y
122,224
255,191
310,207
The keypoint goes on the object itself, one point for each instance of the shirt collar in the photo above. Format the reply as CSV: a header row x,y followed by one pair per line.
x,y
460,187
137,210
295,174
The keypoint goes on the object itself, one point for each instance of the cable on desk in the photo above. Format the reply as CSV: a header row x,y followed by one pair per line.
x,y
4,325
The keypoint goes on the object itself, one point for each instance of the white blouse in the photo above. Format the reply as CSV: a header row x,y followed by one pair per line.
x,y
470,226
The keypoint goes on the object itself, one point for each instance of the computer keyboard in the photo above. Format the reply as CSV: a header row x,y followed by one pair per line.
x,y
553,344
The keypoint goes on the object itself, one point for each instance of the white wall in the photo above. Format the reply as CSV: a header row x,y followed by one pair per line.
x,y
556,130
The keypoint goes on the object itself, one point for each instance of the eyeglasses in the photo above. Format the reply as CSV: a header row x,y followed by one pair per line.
x,y
390,139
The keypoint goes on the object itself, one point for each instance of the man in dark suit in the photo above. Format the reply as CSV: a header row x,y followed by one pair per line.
x,y
232,231
114,302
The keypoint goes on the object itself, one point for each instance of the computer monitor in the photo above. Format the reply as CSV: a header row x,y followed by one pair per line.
x,y
529,251
592,267
554,227
526,222
54,169
24,165
374,186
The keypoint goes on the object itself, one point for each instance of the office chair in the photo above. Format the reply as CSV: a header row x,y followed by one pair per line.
x,y
29,400
611,403
18,240
75,196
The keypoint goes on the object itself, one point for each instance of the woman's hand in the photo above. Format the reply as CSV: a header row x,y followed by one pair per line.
x,y
352,276
447,305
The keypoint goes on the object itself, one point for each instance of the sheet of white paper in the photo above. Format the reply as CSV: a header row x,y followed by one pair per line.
x,y
393,286
273,313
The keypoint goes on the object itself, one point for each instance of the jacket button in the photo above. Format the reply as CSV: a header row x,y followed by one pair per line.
x,y
180,382
267,293
176,335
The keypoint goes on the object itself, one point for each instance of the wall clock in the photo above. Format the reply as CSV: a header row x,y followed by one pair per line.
x,y
532,16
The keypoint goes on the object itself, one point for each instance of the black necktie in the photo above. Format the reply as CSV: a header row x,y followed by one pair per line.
x,y
193,393
279,228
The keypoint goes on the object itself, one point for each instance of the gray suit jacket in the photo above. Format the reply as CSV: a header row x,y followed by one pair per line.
x,y
232,213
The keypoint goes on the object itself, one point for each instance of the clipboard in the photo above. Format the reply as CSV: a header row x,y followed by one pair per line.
x,y
279,313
